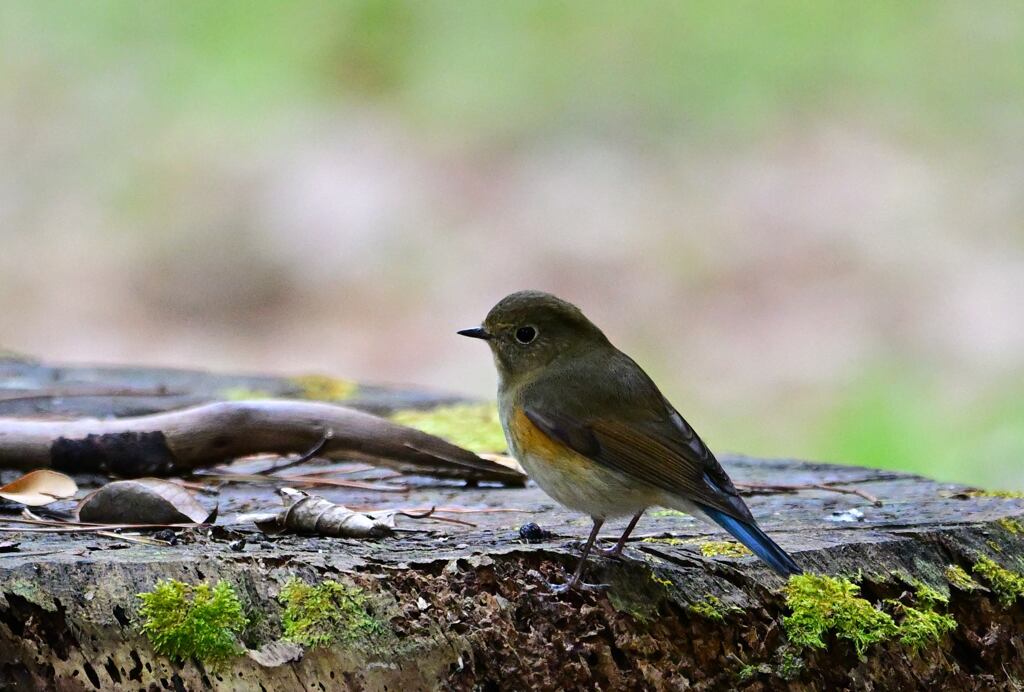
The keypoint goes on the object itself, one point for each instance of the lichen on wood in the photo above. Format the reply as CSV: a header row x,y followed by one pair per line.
x,y
473,426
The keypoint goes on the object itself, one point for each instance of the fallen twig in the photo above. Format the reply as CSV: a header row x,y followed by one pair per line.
x,y
430,514
302,459
76,528
145,540
792,488
306,480
350,468
178,442
70,526
37,553
458,510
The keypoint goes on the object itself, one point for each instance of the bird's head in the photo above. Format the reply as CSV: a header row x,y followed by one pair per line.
x,y
528,330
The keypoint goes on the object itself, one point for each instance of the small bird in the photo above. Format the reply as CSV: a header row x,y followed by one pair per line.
x,y
596,434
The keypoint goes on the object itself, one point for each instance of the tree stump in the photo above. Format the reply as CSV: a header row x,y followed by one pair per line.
x,y
469,607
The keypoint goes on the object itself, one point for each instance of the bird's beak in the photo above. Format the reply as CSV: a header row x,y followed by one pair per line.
x,y
476,333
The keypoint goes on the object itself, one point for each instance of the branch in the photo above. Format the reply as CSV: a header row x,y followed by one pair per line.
x,y
177,442
758,488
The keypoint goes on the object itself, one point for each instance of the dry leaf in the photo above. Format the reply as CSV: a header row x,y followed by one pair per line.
x,y
306,513
143,501
38,488
506,461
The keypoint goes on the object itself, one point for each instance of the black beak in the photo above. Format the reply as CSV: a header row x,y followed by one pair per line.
x,y
476,333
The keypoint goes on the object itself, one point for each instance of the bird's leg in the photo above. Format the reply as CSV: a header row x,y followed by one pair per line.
x,y
616,550
574,581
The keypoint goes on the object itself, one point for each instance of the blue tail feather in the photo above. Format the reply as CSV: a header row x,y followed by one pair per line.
x,y
757,540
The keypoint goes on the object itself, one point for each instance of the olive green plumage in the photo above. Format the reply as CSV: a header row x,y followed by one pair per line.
x,y
611,444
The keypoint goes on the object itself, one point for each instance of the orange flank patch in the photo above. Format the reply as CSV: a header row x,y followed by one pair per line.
x,y
534,441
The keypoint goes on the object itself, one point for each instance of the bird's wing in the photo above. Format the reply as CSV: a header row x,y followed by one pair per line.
x,y
632,429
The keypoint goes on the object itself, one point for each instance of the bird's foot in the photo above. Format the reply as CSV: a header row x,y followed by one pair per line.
x,y
613,552
576,584
562,589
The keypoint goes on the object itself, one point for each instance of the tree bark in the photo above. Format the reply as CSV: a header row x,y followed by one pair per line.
x,y
469,607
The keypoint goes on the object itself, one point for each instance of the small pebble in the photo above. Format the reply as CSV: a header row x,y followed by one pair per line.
x,y
238,546
532,533
166,535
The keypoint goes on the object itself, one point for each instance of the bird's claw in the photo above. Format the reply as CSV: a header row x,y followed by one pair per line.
x,y
577,585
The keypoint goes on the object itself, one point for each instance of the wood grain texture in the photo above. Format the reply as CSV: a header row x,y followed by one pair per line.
x,y
468,607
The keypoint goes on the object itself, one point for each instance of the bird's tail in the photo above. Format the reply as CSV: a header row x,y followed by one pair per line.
x,y
758,541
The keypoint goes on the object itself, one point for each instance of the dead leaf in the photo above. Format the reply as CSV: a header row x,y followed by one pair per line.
x,y
276,653
306,513
144,501
38,488
504,460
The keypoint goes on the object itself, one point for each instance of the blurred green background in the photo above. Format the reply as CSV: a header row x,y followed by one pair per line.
x,y
804,218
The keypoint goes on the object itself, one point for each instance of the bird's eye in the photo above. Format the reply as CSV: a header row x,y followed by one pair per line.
x,y
525,335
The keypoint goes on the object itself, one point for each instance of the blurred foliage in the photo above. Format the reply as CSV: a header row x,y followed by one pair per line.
x,y
899,418
902,420
531,76
706,65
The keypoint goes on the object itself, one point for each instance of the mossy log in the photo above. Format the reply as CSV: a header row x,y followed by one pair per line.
x,y
468,607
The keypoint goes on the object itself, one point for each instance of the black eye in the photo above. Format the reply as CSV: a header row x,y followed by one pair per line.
x,y
525,335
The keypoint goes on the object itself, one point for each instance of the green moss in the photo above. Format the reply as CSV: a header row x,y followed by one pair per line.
x,y
820,604
1015,494
921,627
324,388
1012,526
30,591
661,580
184,621
713,609
320,615
475,427
748,672
929,596
960,579
724,548
244,394
707,548
790,666
1007,585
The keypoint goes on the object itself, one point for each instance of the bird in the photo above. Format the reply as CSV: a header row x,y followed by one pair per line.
x,y
593,430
